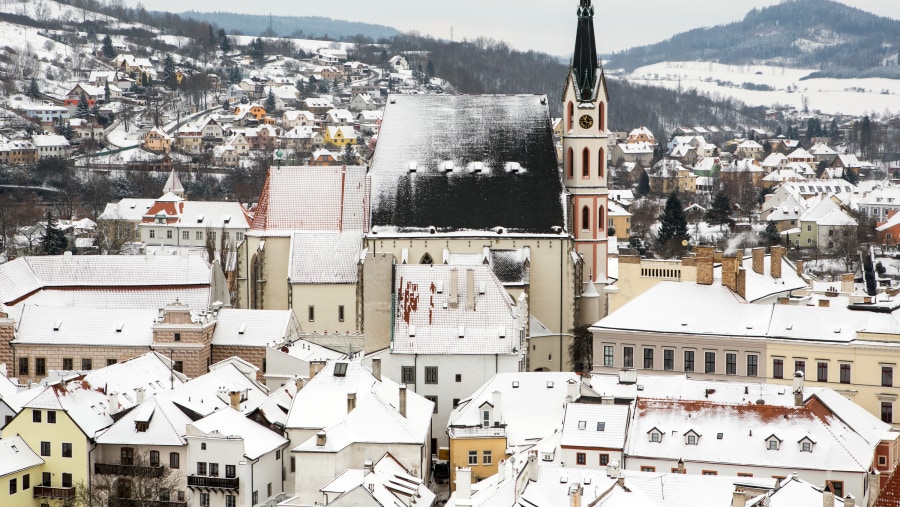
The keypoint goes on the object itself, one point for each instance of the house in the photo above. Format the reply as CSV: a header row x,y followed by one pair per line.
x,y
22,469
824,223
212,131
317,105
500,416
346,414
339,136
299,138
248,334
637,152
175,222
156,139
239,143
295,118
92,94
619,221
641,135
381,483
264,137
880,201
85,129
593,435
749,149
248,462
398,63
51,146
189,138
669,175
362,102
338,117
455,327
17,151
745,170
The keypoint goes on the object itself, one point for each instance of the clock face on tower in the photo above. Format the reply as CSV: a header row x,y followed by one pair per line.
x,y
585,122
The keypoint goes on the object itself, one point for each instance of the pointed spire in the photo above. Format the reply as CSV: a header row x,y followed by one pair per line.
x,y
173,185
585,65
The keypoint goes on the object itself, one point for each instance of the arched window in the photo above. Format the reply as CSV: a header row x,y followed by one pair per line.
x,y
585,163
600,222
601,162
570,116
601,117
585,218
570,163
426,259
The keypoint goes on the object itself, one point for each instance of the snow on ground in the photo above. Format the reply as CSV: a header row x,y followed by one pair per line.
x,y
307,45
848,96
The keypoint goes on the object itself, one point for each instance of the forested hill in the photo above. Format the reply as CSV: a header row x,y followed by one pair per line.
x,y
310,27
819,34
488,66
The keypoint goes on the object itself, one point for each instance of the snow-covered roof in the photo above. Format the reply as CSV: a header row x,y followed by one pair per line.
x,y
254,328
110,327
745,430
312,199
229,423
84,403
430,321
128,209
50,140
15,456
792,491
166,424
207,393
594,425
519,394
476,162
327,257
388,483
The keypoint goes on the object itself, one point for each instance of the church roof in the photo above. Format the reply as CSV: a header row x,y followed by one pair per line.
x,y
466,162
585,66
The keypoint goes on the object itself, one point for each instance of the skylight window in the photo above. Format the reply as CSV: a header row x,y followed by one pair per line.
x,y
515,384
601,426
340,369
582,425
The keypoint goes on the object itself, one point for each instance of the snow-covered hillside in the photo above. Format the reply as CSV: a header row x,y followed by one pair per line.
x,y
768,85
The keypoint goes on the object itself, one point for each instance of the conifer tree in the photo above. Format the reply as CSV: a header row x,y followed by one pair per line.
x,y
83,109
673,227
643,184
270,102
54,241
719,212
33,90
169,72
108,50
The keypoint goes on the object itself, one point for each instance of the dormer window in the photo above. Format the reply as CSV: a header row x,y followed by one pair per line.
x,y
773,443
582,425
655,435
806,444
691,438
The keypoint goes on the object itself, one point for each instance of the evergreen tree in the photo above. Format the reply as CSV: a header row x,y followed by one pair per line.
x,y
83,109
257,51
719,213
270,102
169,72
349,155
54,241
429,69
224,43
673,227
770,236
643,184
108,50
106,92
33,90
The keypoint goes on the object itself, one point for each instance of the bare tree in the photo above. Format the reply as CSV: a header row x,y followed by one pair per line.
x,y
846,246
142,483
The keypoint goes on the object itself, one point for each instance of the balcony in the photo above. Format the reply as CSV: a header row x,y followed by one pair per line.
x,y
131,502
48,492
201,481
129,470
478,432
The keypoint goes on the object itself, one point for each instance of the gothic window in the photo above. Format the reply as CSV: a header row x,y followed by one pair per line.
x,y
570,163
570,116
601,160
585,163
426,259
601,117
600,221
585,218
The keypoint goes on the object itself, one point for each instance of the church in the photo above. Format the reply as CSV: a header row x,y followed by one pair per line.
x,y
469,181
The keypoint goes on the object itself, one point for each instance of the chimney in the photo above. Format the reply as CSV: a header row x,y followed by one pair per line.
x,y
463,484
847,283
575,495
775,264
299,382
759,255
403,400
620,481
351,402
376,368
729,272
454,288
827,496
799,268
572,390
234,398
681,469
321,438
705,251
532,467
798,388
113,403
496,401
315,367
739,498
368,466
704,270
741,283
140,395
470,289
824,303
612,469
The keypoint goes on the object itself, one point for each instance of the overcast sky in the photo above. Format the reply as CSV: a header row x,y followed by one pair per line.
x,y
542,25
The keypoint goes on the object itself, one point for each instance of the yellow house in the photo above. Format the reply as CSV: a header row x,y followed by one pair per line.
x,y
340,136
620,221
500,416
157,140
59,425
20,473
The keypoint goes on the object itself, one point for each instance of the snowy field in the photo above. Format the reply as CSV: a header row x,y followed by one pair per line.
x,y
847,96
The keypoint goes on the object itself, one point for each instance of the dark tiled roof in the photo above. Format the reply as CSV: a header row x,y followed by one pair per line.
x,y
493,133
509,266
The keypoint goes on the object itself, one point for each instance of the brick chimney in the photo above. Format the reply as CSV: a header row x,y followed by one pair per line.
x,y
759,255
681,469
847,283
729,272
376,368
739,497
704,270
705,251
351,402
798,388
234,399
824,303
141,395
575,495
775,265
321,438
799,268
299,383
402,400
741,283
827,496
315,367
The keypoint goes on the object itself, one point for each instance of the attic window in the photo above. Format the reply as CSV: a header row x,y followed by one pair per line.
x,y
340,369
440,287
476,167
691,438
806,444
227,219
56,325
601,426
200,219
461,332
549,384
773,443
447,166
412,330
655,436
482,288
512,167
243,328
719,436
502,332
119,327
515,384
582,425
413,167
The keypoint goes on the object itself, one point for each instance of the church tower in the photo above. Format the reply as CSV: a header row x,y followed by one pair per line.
x,y
584,141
